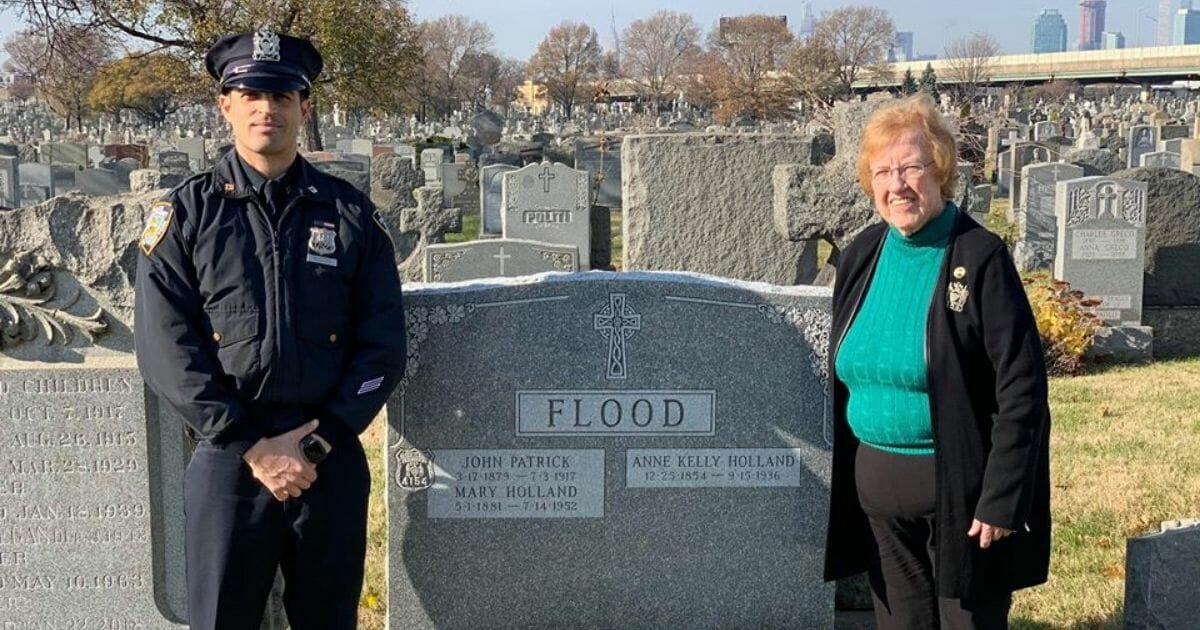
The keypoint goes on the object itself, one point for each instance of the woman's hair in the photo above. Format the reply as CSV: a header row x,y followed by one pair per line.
x,y
893,120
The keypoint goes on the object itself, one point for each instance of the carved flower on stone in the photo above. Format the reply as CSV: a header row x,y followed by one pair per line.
x,y
418,331
456,313
418,314
438,316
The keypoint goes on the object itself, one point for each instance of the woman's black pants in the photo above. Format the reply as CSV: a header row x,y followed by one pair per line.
x,y
897,494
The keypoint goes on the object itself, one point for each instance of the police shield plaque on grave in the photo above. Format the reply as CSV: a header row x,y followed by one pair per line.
x,y
610,451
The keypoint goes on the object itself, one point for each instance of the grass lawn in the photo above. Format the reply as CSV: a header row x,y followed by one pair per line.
x,y
1125,455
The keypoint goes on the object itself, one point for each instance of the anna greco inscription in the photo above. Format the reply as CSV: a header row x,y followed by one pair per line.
x,y
75,508
1104,245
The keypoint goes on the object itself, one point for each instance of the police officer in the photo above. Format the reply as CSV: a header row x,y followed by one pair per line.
x,y
268,313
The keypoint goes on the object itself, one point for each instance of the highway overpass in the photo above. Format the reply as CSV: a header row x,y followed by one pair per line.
x,y
1127,65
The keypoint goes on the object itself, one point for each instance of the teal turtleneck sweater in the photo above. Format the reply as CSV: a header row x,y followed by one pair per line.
x,y
882,357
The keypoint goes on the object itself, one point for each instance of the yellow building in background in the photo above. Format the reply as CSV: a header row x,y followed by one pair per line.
x,y
532,96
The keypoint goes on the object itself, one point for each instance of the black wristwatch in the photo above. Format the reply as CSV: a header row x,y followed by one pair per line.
x,y
314,448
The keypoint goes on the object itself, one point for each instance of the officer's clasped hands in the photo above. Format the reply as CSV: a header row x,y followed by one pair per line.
x,y
280,466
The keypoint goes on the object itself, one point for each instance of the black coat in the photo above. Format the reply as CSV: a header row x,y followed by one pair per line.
x,y
991,419
251,324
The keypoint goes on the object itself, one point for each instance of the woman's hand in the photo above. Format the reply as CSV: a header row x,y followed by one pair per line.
x,y
987,534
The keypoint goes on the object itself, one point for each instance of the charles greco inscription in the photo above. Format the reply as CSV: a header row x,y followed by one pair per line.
x,y
1104,245
616,412
75,507
505,483
714,467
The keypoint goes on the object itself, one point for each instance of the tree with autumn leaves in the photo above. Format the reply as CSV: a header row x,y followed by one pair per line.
x,y
369,46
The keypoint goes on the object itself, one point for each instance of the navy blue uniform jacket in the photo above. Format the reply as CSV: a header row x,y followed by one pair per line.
x,y
251,326
991,419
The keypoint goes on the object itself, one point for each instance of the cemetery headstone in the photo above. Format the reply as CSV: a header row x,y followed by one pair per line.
x,y
549,203
431,160
1023,154
601,472
1101,252
10,183
40,175
1036,225
91,507
1142,139
496,258
601,158
1045,130
490,180
1160,159
1161,573
101,182
65,153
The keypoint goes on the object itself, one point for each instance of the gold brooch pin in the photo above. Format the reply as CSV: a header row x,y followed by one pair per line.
x,y
957,296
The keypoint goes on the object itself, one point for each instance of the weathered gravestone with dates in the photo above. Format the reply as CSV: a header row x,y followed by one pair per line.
x,y
610,450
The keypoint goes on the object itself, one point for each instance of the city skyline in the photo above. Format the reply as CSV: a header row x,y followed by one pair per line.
x,y
518,25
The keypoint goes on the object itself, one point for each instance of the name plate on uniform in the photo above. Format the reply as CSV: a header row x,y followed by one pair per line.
x,y
713,468
505,483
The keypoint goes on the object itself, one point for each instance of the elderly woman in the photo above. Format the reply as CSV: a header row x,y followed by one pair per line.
x,y
940,459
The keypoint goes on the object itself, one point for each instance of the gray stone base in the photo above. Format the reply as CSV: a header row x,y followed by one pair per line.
x,y
1125,344
1176,331
1161,572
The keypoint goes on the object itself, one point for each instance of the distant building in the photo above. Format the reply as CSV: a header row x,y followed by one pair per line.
x,y
1186,27
902,47
1165,22
1049,32
1113,41
1091,23
808,24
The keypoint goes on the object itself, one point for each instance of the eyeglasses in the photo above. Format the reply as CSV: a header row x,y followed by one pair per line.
x,y
908,172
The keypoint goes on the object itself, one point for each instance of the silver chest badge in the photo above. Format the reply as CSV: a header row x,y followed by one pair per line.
x,y
322,244
266,45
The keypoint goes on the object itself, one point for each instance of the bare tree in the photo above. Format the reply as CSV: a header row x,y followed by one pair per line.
x,y
490,81
62,66
744,68
565,61
654,51
451,44
859,38
969,63
812,67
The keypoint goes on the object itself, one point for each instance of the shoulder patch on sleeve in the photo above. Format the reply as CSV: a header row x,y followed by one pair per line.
x,y
156,225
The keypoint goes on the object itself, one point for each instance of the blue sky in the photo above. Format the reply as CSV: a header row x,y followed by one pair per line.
x,y
520,24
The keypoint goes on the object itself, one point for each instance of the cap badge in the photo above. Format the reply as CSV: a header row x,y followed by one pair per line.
x,y
266,45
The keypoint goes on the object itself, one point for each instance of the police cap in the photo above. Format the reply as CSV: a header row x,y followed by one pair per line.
x,y
264,61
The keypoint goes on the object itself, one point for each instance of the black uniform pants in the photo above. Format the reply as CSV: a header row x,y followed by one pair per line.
x,y
238,534
897,492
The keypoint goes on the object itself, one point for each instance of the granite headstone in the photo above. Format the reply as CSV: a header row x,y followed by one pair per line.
x,y
615,459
